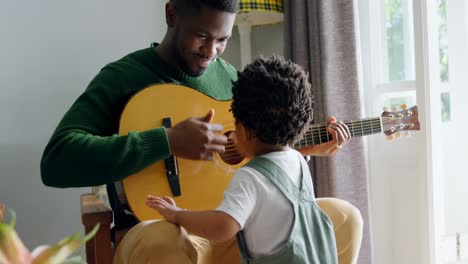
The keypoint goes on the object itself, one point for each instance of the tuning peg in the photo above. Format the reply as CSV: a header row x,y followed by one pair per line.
x,y
407,134
398,135
394,108
390,138
403,106
385,109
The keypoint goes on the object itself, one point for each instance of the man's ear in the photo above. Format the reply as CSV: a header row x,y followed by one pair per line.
x,y
170,14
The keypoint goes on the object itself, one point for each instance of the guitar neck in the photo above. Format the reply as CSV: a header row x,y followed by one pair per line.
x,y
318,134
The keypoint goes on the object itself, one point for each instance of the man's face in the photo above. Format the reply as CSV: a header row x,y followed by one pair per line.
x,y
200,38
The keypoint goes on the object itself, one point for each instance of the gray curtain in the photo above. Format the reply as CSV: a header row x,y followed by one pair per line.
x,y
320,35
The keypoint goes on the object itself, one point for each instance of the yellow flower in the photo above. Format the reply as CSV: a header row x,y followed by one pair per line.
x,y
13,251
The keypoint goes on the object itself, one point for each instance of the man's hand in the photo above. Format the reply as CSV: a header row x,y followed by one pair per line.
x,y
341,135
165,205
197,138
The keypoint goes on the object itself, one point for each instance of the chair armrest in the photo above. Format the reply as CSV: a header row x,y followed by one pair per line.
x,y
93,211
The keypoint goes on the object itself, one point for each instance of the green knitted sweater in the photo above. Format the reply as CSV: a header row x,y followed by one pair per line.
x,y
85,149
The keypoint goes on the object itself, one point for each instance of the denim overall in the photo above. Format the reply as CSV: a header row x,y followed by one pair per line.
x,y
312,238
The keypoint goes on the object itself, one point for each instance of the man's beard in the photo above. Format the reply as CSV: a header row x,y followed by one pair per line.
x,y
181,61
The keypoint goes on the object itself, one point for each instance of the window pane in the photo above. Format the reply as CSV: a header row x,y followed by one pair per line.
x,y
398,15
445,105
443,41
396,101
400,98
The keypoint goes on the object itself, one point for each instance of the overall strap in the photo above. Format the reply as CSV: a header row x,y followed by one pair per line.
x,y
243,250
311,240
305,188
280,178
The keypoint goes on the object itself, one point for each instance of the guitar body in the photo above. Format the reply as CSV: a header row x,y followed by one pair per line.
x,y
202,183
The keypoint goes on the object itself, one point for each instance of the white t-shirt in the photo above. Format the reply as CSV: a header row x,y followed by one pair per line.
x,y
260,208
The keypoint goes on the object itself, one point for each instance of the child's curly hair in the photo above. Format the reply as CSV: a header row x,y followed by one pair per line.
x,y
273,98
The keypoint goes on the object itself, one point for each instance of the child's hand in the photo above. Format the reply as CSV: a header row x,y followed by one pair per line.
x,y
166,206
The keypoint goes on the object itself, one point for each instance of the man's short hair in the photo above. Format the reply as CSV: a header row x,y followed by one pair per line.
x,y
190,7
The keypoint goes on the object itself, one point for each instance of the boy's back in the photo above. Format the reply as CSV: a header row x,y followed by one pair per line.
x,y
264,213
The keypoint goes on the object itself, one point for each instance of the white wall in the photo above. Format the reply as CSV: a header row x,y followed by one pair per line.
x,y
49,51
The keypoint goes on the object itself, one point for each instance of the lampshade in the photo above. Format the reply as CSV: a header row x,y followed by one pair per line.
x,y
260,12
261,5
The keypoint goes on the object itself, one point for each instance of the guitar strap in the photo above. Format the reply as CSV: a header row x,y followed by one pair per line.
x,y
123,216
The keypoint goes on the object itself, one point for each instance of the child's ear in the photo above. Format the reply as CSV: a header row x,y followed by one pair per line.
x,y
245,131
250,135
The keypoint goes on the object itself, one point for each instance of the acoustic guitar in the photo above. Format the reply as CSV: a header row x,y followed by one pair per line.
x,y
199,185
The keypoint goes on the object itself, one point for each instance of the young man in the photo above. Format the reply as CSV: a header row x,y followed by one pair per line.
x,y
269,203
85,149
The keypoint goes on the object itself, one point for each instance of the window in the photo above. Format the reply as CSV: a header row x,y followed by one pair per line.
x,y
410,49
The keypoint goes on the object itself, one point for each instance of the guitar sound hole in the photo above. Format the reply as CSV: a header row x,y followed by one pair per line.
x,y
231,155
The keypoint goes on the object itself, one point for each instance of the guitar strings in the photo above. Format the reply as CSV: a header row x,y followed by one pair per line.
x,y
322,131
232,155
375,120
372,125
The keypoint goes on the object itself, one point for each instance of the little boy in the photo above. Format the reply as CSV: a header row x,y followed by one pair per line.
x,y
269,203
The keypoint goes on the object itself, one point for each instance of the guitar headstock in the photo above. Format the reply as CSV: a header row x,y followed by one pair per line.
x,y
395,121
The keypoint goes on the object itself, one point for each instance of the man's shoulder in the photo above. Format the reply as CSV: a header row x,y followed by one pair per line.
x,y
132,65
134,58
132,71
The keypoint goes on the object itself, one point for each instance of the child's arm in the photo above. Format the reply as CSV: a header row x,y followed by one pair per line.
x,y
213,225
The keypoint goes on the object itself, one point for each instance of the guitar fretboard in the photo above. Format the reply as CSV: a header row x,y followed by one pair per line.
x,y
318,134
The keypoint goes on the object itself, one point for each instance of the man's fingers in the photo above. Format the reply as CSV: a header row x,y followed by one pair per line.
x,y
218,140
337,137
341,127
210,149
344,130
341,132
209,116
215,148
206,156
214,127
216,144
